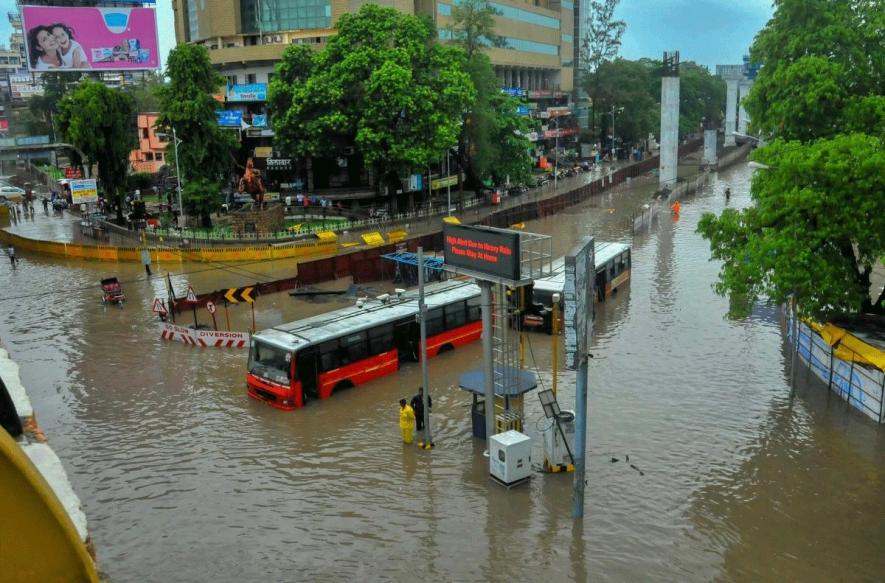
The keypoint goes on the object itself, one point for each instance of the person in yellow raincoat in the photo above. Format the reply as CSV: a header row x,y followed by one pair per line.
x,y
406,420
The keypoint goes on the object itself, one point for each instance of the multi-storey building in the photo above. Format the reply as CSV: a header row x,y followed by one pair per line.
x,y
245,38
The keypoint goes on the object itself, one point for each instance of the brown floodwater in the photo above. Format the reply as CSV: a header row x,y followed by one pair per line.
x,y
183,478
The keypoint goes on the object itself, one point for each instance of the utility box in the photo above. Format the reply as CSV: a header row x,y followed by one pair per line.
x,y
510,458
557,445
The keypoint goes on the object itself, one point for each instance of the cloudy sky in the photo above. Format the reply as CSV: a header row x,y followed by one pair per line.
x,y
709,32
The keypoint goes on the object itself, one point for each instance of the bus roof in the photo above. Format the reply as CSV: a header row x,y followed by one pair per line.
x,y
299,334
603,252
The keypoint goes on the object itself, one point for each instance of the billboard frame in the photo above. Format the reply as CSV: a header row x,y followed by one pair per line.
x,y
33,16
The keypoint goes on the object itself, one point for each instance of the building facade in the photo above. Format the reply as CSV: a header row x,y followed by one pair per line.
x,y
245,38
150,155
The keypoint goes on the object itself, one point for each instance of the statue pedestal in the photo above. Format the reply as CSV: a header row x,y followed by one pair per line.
x,y
254,222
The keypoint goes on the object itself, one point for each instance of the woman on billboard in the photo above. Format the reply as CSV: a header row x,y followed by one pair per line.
x,y
72,54
44,52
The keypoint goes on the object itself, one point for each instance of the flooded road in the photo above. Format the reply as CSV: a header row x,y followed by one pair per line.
x,y
183,478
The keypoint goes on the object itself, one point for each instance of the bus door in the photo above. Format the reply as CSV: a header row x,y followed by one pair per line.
x,y
405,338
306,369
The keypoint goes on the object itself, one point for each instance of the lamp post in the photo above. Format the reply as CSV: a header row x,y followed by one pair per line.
x,y
556,154
613,111
175,142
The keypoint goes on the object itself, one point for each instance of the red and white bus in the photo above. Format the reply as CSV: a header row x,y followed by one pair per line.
x,y
351,346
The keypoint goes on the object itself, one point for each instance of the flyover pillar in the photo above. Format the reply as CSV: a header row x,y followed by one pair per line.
x,y
669,153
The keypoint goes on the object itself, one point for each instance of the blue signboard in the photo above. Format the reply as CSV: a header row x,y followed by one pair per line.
x,y
259,121
250,92
522,109
31,140
229,118
514,91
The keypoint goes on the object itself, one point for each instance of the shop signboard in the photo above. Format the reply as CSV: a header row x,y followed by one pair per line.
x,y
249,92
78,38
277,164
259,121
229,118
263,151
444,182
4,125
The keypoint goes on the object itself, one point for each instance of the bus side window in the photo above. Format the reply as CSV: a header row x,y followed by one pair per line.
x,y
474,309
455,315
380,339
353,347
434,321
329,359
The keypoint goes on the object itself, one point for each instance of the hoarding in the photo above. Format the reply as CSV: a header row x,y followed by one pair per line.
x,y
83,191
483,250
229,118
90,38
577,295
4,125
250,92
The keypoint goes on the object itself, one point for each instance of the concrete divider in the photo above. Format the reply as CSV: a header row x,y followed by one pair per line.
x,y
306,250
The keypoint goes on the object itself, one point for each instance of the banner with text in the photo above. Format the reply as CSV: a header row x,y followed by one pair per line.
x,y
83,191
214,338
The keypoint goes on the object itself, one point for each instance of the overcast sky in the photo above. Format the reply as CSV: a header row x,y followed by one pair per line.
x,y
710,32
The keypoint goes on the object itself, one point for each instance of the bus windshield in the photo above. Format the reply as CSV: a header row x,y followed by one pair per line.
x,y
271,363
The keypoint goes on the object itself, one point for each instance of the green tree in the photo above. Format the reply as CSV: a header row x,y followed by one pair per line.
x,y
99,121
815,231
492,143
382,83
43,108
187,106
473,27
701,98
145,92
625,84
599,46
817,226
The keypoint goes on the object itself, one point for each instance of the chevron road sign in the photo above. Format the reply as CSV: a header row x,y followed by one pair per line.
x,y
235,295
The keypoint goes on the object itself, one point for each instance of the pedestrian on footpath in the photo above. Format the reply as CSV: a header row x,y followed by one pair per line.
x,y
406,421
418,407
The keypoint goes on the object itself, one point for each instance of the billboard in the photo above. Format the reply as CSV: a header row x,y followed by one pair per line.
x,y
4,125
83,191
578,295
90,38
482,250
250,92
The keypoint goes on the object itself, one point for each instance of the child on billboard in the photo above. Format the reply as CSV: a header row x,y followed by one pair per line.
x,y
72,54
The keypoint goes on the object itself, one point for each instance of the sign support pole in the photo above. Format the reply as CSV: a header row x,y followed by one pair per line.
x,y
488,359
422,320
214,323
226,316
580,438
196,326
253,316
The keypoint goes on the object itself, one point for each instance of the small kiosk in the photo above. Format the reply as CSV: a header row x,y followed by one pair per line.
x,y
509,399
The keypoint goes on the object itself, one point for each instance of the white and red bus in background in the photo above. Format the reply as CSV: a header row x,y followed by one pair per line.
x,y
351,346
613,265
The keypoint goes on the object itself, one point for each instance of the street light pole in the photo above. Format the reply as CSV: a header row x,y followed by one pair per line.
x,y
175,140
556,154
448,187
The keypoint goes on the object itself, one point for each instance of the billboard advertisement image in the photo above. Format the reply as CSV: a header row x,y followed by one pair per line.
x,y
88,39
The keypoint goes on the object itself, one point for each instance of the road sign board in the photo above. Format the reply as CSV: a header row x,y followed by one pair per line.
x,y
578,296
235,295
158,306
191,296
211,307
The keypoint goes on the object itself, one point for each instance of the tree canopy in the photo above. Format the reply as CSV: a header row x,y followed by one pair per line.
x,y
492,143
599,46
817,226
100,121
187,106
383,84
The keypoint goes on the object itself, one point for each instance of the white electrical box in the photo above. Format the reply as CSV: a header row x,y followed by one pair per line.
x,y
555,451
510,457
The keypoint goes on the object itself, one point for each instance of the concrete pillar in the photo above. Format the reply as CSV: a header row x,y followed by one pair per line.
x,y
743,89
731,93
709,146
669,157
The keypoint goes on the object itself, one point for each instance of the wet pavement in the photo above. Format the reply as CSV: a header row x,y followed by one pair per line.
x,y
184,478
